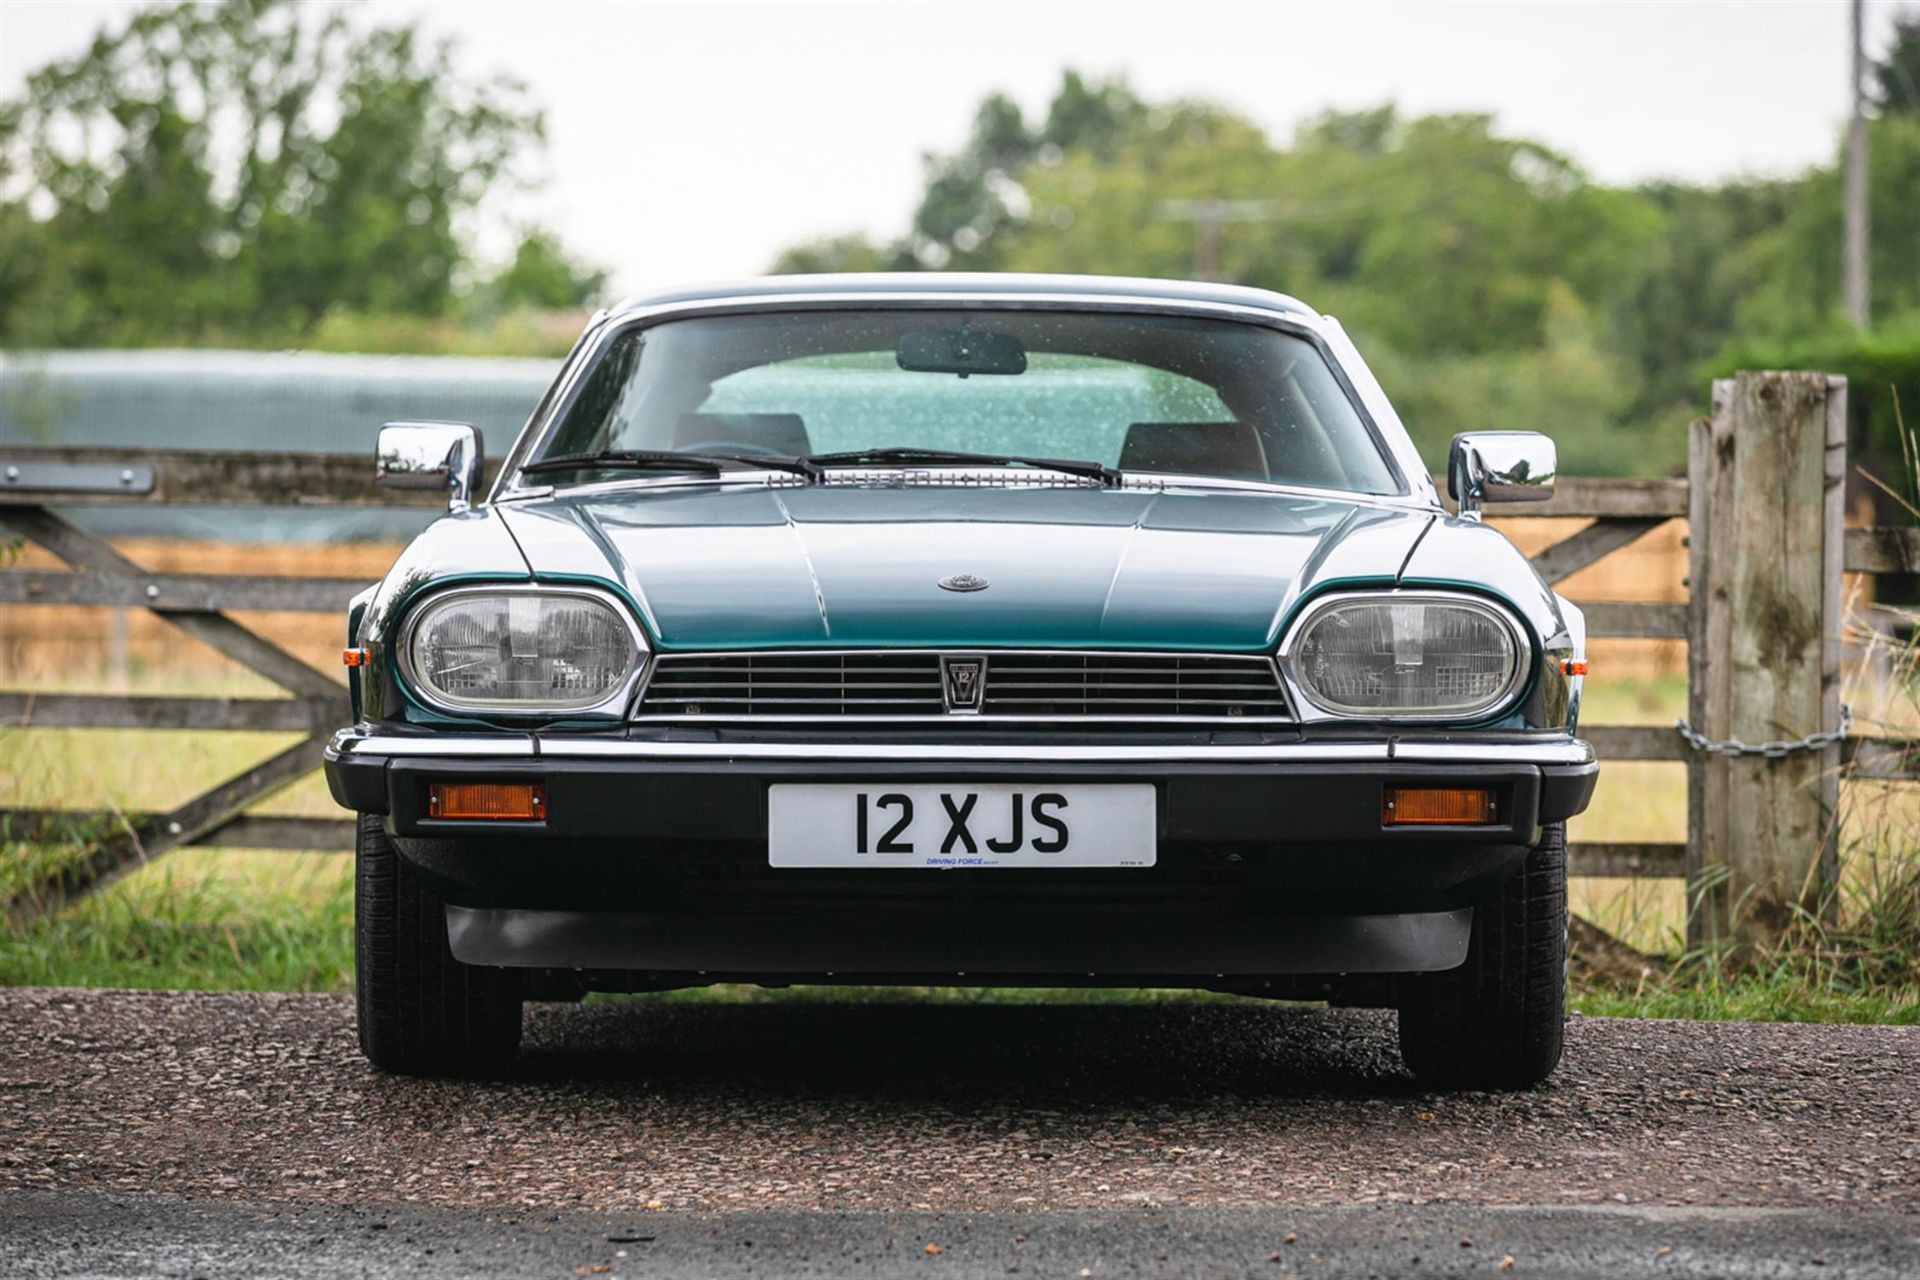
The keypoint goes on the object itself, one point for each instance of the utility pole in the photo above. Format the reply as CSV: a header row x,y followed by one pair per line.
x,y
1208,216
1859,309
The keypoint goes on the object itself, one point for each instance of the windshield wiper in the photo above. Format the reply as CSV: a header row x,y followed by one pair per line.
x,y
711,464
1106,475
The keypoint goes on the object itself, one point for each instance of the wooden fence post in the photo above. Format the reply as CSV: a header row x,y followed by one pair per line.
x,y
1766,478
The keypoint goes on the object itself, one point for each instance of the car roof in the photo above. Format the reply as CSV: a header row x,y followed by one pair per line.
x,y
1001,284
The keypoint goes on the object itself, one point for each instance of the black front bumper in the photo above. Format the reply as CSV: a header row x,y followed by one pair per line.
x,y
1273,862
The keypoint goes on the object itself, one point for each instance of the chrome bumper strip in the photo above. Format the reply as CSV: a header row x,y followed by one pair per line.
x,y
1565,751
351,742
563,747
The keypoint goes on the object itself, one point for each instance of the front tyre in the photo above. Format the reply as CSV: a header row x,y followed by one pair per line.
x,y
1499,1020
421,1012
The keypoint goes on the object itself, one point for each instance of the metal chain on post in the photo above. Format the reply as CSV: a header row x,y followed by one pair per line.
x,y
1775,750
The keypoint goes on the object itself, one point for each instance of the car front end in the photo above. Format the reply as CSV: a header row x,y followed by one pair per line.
x,y
737,707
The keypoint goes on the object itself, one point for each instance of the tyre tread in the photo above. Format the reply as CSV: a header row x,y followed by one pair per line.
x,y
420,1011
1499,1020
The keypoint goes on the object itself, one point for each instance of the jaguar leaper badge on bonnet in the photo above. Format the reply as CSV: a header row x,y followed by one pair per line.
x,y
695,692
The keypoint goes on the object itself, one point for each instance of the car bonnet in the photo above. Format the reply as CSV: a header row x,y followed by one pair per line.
x,y
757,566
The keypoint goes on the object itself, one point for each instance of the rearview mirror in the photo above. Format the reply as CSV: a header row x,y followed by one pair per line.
x,y
961,351
430,455
1500,466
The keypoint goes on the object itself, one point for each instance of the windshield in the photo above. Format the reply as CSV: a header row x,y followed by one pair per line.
x,y
1140,393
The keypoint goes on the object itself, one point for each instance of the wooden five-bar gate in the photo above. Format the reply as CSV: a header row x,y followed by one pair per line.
x,y
1767,549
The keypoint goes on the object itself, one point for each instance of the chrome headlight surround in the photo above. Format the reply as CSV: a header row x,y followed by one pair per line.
x,y
1314,704
608,704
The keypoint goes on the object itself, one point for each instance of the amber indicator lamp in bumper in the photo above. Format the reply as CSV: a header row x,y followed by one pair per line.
x,y
1437,807
487,801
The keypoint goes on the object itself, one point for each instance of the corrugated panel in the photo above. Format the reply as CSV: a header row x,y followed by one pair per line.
x,y
256,400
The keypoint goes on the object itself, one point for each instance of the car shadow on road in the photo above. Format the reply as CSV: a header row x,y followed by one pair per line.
x,y
906,1051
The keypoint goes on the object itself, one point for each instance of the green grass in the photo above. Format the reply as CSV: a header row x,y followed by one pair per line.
x,y
1759,998
219,919
1658,700
198,919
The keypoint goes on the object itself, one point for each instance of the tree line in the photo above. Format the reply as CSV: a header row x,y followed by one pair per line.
x,y
1489,279
261,172
256,171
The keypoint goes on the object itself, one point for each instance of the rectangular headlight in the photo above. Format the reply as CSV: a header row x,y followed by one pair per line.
x,y
527,651
1426,655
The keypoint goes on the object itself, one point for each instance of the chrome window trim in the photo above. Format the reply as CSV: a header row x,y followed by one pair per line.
x,y
1402,459
1312,710
988,719
973,476
358,742
613,707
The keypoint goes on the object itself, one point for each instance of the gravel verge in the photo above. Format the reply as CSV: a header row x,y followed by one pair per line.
x,y
647,1108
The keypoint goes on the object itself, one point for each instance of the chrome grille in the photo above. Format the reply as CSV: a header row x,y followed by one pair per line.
x,y
1146,686
794,684
1033,686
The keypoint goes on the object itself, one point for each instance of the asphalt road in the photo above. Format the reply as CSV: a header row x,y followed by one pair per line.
x,y
214,1135
87,1234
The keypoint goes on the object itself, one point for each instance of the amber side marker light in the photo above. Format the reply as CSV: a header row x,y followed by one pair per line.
x,y
487,801
1437,807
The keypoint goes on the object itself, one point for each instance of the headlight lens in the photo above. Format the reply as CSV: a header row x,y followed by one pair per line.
x,y
532,651
1428,656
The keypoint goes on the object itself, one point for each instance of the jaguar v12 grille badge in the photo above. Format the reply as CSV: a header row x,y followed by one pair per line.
x,y
963,582
961,679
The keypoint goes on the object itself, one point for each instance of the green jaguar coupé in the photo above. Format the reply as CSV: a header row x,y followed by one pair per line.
x,y
991,630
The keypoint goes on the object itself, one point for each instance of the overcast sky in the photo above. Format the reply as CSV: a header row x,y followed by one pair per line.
x,y
693,141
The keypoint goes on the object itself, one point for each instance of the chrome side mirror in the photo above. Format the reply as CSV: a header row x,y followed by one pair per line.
x,y
1500,466
430,455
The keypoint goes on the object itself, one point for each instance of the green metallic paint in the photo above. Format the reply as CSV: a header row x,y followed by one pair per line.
x,y
741,567
738,567
471,547
1465,555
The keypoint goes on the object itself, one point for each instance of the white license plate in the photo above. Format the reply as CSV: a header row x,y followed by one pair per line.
x,y
961,825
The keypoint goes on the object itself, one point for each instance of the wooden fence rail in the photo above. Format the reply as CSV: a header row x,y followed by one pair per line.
x,y
35,483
